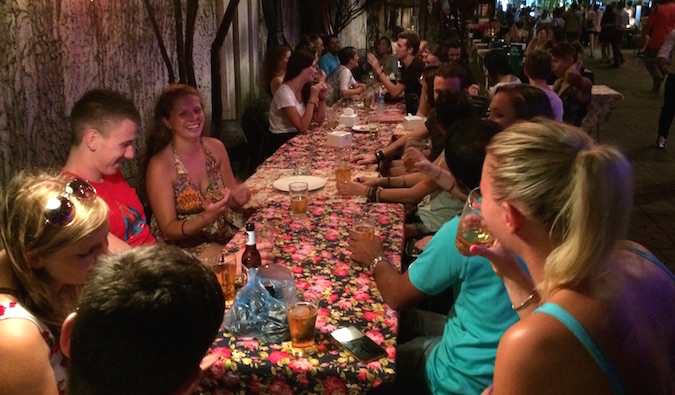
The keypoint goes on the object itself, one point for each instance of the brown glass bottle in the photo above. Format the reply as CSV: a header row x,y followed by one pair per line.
x,y
251,256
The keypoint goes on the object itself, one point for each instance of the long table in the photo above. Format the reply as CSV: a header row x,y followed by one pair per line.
x,y
314,248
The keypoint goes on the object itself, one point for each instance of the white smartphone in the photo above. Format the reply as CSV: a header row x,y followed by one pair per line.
x,y
358,344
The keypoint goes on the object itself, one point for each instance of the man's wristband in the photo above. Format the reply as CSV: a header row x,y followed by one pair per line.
x,y
375,262
379,154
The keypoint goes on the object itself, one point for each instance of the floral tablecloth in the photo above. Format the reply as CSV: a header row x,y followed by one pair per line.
x,y
314,248
603,100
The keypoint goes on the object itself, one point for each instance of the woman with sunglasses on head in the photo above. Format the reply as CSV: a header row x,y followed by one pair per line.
x,y
53,229
188,177
596,315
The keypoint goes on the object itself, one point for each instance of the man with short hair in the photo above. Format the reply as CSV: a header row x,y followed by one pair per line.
x,y
104,126
329,61
622,21
409,86
449,78
145,320
455,57
453,353
537,68
571,86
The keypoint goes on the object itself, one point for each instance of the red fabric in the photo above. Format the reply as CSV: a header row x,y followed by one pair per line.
x,y
661,21
127,217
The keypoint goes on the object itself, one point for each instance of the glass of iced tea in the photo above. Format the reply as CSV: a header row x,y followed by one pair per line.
x,y
472,228
363,227
299,192
225,269
301,323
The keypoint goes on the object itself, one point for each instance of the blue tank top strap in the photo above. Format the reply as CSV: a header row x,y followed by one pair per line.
x,y
651,258
582,335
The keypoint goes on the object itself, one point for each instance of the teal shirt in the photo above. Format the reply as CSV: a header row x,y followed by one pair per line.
x,y
328,62
463,361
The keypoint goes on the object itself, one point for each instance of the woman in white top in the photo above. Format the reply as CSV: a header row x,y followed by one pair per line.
x,y
341,82
297,102
54,228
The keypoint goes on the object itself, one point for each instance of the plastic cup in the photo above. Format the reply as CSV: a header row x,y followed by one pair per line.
x,y
225,269
299,193
472,228
301,324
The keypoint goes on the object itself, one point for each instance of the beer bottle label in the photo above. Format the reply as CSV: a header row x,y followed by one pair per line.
x,y
250,238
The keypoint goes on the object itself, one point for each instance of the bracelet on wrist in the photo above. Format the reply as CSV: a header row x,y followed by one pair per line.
x,y
528,301
375,262
377,194
182,228
379,155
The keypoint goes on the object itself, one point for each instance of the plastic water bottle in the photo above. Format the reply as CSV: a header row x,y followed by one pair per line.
x,y
380,101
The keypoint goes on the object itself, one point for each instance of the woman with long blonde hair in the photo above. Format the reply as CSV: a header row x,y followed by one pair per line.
x,y
53,229
597,312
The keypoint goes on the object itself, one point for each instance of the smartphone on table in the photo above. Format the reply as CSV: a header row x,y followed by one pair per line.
x,y
358,344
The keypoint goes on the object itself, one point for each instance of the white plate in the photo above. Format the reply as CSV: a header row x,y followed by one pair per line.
x,y
314,183
361,128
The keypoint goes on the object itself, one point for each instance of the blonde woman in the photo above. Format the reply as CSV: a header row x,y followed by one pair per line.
x,y
597,312
54,228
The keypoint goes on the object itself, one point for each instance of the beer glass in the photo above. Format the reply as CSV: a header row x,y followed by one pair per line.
x,y
299,192
471,228
343,168
418,143
301,323
363,227
225,269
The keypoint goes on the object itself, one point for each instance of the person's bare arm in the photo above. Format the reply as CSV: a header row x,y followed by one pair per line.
x,y
396,289
395,90
115,244
24,360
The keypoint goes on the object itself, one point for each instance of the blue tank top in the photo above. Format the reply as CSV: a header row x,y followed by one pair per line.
x,y
584,337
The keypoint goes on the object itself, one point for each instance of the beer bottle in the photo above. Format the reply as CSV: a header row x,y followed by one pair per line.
x,y
251,256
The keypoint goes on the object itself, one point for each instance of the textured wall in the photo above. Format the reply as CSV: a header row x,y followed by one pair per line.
x,y
52,51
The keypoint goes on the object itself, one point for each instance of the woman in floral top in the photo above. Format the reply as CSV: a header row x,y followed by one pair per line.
x,y
54,228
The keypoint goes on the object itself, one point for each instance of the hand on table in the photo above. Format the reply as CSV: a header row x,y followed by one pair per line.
x,y
352,188
369,181
365,159
364,250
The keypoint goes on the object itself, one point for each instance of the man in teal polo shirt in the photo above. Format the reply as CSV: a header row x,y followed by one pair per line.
x,y
460,357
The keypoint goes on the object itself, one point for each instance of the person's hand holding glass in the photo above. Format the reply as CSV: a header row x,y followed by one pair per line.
x,y
472,228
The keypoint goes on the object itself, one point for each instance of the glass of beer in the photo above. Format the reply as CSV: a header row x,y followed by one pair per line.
x,y
301,323
363,227
367,99
225,269
373,126
299,192
418,143
332,118
472,228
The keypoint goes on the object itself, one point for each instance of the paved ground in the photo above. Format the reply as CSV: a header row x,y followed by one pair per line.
x,y
632,126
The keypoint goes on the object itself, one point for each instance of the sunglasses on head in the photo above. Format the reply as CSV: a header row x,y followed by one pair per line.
x,y
60,210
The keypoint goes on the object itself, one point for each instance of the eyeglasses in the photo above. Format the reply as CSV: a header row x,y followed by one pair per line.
x,y
60,210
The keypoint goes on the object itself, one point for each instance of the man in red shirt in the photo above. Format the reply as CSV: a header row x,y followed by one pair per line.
x,y
659,24
104,127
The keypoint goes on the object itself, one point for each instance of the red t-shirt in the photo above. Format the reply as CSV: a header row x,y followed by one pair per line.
x,y
661,21
127,217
